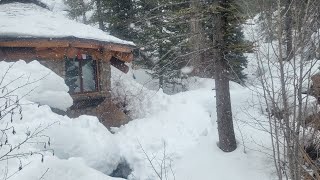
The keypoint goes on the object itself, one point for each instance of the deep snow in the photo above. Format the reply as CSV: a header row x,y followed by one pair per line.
x,y
185,124
30,78
82,147
182,125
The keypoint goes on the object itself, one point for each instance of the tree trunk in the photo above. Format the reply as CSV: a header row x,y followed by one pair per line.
x,y
288,29
161,81
196,39
227,141
99,12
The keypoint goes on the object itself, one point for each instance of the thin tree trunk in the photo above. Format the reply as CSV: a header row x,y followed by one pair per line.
x,y
227,141
288,29
284,96
161,81
196,38
99,12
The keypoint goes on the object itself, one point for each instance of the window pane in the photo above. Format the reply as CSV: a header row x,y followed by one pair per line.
x,y
72,76
88,75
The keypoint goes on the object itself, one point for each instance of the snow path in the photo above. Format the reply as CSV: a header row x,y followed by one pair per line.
x,y
184,125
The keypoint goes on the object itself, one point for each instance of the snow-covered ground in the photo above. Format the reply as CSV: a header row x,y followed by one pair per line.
x,y
82,147
180,129
184,127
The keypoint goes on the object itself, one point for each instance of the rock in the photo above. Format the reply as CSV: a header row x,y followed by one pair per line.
x,y
123,170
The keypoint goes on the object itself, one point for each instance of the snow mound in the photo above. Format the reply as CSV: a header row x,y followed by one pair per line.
x,y
54,168
30,21
83,148
35,83
83,138
87,138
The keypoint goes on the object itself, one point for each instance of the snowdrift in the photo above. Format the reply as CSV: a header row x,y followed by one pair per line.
x,y
82,147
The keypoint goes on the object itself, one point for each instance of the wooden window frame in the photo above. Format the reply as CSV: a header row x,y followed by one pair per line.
x,y
96,76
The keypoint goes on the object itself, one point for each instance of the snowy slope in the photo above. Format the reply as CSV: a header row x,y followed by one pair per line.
x,y
29,21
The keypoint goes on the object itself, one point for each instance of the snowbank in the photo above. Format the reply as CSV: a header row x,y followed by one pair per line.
x,y
87,138
35,83
83,148
54,168
84,138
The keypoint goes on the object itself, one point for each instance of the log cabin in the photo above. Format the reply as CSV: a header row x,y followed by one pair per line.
x,y
79,53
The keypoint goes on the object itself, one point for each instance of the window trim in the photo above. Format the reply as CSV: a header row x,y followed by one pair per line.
x,y
96,75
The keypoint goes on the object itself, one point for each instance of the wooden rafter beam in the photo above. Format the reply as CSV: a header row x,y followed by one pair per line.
x,y
126,57
119,65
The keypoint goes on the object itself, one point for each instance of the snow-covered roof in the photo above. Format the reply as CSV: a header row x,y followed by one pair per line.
x,y
20,20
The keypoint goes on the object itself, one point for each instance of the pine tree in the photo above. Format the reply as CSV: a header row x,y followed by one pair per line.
x,y
171,47
227,50
119,15
78,9
236,60
163,36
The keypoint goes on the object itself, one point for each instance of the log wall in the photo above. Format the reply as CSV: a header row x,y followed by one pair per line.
x,y
54,59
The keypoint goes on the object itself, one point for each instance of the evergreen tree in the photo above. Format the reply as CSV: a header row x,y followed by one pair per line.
x,y
162,28
226,18
119,17
167,30
78,9
160,31
236,60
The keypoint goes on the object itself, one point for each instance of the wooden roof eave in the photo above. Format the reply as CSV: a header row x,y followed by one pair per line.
x,y
64,42
120,51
